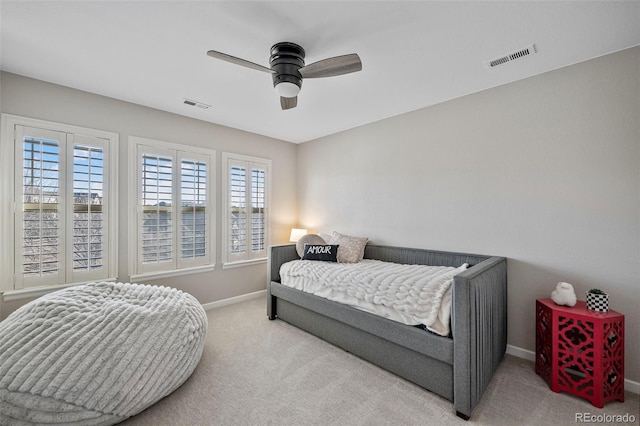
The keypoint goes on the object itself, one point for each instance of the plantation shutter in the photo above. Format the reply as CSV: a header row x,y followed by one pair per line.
x,y
156,219
194,209
39,204
60,227
237,220
88,218
174,209
258,176
247,220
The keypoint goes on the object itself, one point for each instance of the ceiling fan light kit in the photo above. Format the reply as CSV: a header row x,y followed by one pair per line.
x,y
288,69
286,89
286,60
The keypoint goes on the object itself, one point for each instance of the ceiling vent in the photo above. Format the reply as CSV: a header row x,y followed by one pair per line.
x,y
196,104
529,50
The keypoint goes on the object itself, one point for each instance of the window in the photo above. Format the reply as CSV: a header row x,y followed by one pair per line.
x,y
174,222
246,199
64,203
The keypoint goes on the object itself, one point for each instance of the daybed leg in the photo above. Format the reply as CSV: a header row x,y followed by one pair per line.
x,y
271,307
462,415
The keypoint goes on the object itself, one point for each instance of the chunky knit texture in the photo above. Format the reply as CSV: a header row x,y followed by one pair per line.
x,y
410,294
98,353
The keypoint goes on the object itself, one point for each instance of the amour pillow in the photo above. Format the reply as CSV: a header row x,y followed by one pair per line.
x,y
351,248
323,252
308,239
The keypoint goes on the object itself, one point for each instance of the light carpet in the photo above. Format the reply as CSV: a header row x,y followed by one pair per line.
x,y
259,372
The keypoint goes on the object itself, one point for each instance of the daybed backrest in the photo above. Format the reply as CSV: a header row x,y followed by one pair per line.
x,y
276,256
413,256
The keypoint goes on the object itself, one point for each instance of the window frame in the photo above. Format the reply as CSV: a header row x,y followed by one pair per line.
x,y
11,285
230,260
178,152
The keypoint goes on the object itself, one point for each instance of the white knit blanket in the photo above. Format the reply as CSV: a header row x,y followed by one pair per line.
x,y
410,294
97,353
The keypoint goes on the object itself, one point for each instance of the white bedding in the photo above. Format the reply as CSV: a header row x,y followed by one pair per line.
x,y
410,294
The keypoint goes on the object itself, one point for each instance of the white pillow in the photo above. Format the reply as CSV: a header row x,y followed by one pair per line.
x,y
351,249
308,239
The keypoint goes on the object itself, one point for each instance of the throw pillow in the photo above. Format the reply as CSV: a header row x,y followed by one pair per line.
x,y
308,239
323,252
351,248
326,237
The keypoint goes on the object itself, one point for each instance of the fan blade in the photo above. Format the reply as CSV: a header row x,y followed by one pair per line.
x,y
238,61
288,103
330,67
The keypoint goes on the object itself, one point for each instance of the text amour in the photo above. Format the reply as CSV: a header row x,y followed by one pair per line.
x,y
319,250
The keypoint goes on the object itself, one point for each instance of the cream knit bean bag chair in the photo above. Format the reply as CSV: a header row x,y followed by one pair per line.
x,y
96,354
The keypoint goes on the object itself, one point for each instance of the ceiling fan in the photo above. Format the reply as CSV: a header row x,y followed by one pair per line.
x,y
288,69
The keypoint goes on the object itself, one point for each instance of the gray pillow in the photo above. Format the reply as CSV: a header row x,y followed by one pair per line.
x,y
308,239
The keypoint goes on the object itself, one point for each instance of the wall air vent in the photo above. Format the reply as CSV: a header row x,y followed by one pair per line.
x,y
529,50
196,104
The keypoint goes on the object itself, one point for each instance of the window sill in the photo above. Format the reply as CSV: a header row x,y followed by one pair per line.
x,y
241,263
34,292
171,273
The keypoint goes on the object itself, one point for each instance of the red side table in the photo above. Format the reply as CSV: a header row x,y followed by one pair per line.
x,y
580,351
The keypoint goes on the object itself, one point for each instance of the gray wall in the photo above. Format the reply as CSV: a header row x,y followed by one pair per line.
x,y
544,171
37,99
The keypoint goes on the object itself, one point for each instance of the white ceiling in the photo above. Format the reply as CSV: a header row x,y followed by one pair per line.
x,y
414,54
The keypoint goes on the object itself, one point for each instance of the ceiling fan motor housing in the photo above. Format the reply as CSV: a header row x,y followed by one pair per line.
x,y
286,60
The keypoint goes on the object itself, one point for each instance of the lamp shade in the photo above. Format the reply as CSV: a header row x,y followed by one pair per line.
x,y
296,233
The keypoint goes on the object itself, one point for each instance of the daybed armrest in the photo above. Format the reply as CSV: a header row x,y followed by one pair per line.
x,y
276,257
479,324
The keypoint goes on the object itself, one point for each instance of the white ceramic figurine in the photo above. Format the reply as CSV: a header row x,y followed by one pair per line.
x,y
564,294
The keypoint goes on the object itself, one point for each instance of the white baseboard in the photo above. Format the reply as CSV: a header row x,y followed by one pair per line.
x,y
521,353
629,385
236,299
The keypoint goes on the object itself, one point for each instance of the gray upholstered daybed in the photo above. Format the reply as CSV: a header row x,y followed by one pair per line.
x,y
458,368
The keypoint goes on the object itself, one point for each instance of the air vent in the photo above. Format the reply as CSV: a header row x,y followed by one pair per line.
x,y
196,104
529,50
